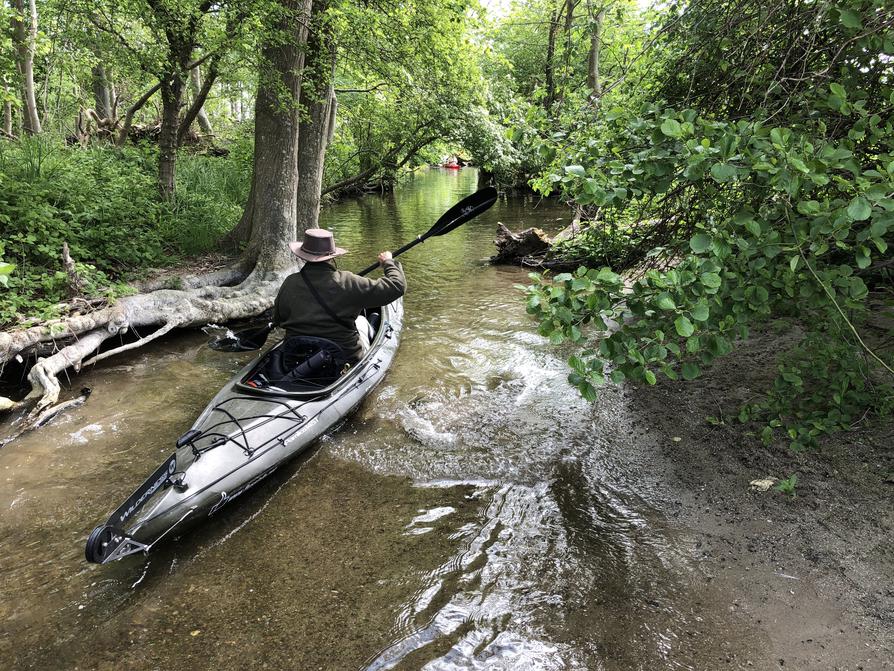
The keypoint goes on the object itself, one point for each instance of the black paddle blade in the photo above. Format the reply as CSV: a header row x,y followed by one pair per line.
x,y
242,341
466,209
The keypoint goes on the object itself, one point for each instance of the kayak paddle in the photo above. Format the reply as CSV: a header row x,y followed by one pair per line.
x,y
465,210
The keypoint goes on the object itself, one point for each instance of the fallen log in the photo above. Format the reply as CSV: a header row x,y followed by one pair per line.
x,y
80,337
515,247
532,247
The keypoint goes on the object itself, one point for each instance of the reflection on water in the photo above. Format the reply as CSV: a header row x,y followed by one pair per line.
x,y
475,513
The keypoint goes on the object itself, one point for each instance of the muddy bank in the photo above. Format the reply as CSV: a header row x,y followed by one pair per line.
x,y
812,575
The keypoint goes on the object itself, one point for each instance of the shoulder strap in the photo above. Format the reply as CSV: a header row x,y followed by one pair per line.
x,y
319,299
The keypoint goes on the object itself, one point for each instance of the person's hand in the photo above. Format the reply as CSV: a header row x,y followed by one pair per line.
x,y
385,256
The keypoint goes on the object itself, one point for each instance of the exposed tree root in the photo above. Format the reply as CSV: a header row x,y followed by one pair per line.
x,y
46,416
170,326
213,278
163,310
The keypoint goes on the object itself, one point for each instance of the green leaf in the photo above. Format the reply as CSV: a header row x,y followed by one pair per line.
x,y
799,164
723,172
859,209
699,243
684,326
793,263
857,288
780,136
863,259
618,376
690,370
671,128
710,280
809,207
850,18
606,275
753,227
650,377
838,90
700,311
665,301
575,170
588,391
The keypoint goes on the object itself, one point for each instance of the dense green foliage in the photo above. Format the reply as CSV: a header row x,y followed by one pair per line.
x,y
104,204
761,182
407,77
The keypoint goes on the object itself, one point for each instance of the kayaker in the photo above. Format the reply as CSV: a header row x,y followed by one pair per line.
x,y
324,302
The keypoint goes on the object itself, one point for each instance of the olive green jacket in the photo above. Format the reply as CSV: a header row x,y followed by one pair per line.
x,y
298,312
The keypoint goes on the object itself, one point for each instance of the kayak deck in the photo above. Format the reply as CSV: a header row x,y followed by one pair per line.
x,y
241,437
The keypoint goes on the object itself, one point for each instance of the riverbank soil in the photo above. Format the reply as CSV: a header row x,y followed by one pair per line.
x,y
813,574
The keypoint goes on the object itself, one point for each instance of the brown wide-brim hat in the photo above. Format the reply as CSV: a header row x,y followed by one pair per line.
x,y
318,245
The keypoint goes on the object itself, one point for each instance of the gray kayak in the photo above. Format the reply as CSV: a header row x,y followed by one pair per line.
x,y
243,435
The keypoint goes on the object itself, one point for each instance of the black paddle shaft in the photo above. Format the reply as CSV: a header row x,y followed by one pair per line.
x,y
466,209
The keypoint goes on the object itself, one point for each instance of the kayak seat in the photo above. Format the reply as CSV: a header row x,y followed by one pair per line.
x,y
300,363
374,318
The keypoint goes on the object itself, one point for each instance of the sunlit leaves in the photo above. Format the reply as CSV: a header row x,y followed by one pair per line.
x,y
5,271
671,128
761,213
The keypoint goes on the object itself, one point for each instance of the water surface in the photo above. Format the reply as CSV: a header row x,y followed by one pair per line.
x,y
475,513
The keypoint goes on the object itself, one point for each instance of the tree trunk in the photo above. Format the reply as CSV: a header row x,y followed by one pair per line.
x,y
195,85
315,134
550,59
570,5
171,97
593,80
133,109
7,118
24,36
197,107
102,94
317,126
7,112
269,219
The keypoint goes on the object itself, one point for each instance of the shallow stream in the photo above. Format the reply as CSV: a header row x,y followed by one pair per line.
x,y
475,513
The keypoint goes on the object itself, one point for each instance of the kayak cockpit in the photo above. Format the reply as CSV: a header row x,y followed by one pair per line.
x,y
282,371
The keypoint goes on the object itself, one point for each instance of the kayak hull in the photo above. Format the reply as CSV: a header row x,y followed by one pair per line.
x,y
240,438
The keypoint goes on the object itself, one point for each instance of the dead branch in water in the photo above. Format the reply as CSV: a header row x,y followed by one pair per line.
x,y
76,338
